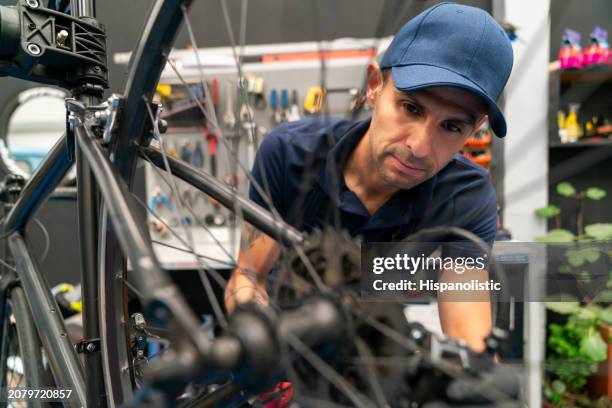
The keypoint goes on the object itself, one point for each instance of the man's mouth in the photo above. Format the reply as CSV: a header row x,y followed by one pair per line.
x,y
407,169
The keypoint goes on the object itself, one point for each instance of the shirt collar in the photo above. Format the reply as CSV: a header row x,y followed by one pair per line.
x,y
403,205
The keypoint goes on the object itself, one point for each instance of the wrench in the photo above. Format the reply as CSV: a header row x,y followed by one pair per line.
x,y
229,119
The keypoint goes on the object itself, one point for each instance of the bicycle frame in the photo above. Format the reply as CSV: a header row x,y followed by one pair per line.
x,y
98,175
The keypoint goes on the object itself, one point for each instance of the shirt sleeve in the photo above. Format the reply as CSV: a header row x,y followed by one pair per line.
x,y
268,173
482,219
476,212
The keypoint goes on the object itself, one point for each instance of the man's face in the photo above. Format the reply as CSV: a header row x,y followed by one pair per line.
x,y
413,135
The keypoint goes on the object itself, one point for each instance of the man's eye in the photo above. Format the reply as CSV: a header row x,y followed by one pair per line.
x,y
453,128
410,108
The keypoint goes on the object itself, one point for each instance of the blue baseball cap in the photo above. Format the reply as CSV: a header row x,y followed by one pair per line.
x,y
453,45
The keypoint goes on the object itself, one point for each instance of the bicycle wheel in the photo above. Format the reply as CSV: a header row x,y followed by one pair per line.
x,y
364,373
118,354
21,350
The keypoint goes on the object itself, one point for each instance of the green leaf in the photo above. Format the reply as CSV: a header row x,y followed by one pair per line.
x,y
595,193
609,283
590,254
593,347
574,257
600,231
548,212
566,189
587,314
556,235
558,386
606,315
585,276
565,269
563,307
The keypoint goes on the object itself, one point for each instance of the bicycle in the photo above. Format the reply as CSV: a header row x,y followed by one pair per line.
x,y
105,139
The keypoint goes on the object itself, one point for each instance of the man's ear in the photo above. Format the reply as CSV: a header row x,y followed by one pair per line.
x,y
375,82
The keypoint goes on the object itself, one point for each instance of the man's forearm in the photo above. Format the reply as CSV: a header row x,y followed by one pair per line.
x,y
467,321
258,252
466,316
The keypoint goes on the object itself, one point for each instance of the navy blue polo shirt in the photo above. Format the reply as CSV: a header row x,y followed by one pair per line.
x,y
296,162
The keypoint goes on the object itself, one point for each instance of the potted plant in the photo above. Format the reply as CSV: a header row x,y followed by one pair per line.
x,y
579,344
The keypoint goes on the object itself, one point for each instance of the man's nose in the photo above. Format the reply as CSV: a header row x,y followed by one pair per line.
x,y
420,140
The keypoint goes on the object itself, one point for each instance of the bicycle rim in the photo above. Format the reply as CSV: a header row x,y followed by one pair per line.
x,y
20,347
148,61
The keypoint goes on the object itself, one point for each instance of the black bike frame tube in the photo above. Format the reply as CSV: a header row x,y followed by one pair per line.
x,y
67,369
151,282
46,177
87,203
255,215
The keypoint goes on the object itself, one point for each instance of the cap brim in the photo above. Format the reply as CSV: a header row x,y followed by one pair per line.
x,y
414,77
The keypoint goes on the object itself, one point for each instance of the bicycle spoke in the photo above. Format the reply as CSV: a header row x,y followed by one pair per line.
x,y
204,277
7,265
220,280
357,398
233,153
187,250
161,176
299,251
365,353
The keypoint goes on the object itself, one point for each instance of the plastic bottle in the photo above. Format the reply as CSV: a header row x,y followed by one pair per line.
x,y
570,54
597,52
572,127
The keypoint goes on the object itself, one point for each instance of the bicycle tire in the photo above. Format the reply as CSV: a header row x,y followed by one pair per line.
x,y
148,61
20,345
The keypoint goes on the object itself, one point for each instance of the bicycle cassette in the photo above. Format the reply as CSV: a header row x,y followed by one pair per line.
x,y
326,258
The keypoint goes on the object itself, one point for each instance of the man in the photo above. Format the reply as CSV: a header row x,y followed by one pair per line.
x,y
399,171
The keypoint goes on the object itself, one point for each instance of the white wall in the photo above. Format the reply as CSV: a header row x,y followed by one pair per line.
x,y
38,123
526,158
526,145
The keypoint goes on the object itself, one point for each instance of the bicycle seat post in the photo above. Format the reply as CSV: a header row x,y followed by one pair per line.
x,y
83,8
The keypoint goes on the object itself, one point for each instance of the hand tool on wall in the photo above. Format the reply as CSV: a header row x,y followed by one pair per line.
x,y
246,112
172,150
229,119
158,199
284,105
276,114
314,100
185,152
215,94
216,218
294,110
256,92
253,132
197,157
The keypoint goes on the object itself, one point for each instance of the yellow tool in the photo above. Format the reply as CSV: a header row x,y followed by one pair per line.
x,y
164,90
314,99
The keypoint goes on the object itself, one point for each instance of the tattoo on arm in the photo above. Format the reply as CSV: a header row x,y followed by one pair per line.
x,y
251,234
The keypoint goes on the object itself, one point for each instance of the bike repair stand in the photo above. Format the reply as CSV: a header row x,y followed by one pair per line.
x,y
51,47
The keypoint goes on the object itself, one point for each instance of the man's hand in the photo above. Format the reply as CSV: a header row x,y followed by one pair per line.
x,y
258,253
